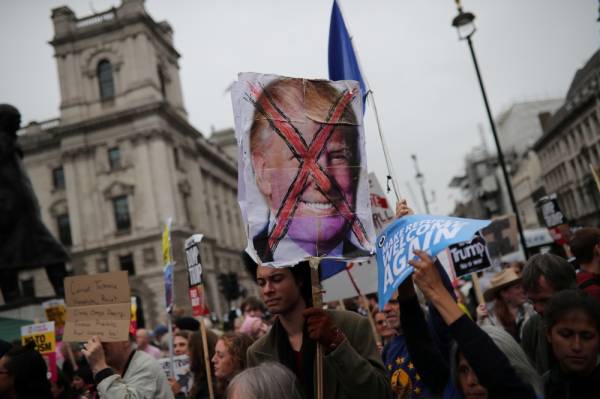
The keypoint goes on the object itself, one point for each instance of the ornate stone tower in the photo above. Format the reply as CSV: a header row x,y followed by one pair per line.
x,y
122,158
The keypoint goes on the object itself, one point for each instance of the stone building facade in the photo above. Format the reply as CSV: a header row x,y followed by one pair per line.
x,y
122,158
570,147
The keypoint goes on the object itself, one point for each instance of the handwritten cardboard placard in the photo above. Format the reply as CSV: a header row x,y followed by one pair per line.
x,y
98,305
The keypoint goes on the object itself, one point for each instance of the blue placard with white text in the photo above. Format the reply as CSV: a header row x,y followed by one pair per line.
x,y
428,233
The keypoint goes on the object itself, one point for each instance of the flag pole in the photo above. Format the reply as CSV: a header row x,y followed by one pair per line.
x,y
370,94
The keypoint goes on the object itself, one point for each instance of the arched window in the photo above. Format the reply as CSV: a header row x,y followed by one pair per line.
x,y
105,80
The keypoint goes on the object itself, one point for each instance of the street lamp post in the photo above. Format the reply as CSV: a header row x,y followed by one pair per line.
x,y
463,23
421,182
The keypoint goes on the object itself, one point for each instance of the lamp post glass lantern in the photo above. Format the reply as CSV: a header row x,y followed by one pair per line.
x,y
465,27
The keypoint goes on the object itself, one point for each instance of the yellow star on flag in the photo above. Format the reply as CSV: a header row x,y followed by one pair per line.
x,y
410,366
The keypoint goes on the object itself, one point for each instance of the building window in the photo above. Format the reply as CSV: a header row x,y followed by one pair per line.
x,y
58,178
121,208
161,79
28,288
64,229
105,80
126,263
114,158
176,157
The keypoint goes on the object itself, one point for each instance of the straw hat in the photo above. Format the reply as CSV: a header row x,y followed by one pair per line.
x,y
500,280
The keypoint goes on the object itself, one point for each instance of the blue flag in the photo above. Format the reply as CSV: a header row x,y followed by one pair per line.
x,y
428,233
343,64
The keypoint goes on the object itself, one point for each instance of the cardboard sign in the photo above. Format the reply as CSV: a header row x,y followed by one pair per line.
x,y
42,335
302,187
470,256
193,260
501,236
98,305
432,234
181,367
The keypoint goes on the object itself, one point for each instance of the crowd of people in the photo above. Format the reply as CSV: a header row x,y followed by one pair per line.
x,y
536,336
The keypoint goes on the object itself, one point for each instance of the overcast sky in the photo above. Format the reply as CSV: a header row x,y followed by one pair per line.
x,y
422,75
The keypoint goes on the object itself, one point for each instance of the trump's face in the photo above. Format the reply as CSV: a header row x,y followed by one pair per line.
x,y
317,224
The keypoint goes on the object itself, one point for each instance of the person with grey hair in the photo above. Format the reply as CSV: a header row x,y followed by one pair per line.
x,y
543,276
269,380
516,356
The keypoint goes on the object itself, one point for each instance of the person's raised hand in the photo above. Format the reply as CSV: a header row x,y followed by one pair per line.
x,y
482,312
402,209
322,328
175,387
94,353
426,275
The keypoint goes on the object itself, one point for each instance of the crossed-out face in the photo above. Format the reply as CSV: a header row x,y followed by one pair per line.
x,y
317,224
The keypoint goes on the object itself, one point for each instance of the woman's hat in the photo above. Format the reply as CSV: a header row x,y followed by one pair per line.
x,y
499,281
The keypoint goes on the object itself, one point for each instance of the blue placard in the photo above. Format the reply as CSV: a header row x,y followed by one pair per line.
x,y
428,233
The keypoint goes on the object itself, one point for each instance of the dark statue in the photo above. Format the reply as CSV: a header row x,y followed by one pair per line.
x,y
25,243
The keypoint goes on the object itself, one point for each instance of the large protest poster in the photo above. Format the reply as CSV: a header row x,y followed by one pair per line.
x,y
97,305
340,286
179,370
44,338
432,234
302,185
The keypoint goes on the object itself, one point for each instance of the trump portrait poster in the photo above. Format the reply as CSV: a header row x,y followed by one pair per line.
x,y
302,184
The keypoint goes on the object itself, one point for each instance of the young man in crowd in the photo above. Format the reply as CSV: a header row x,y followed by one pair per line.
x,y
120,371
585,245
351,364
543,276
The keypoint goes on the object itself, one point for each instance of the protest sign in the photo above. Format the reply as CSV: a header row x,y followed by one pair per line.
x,y
469,256
178,369
302,186
98,304
432,234
42,335
550,212
55,310
194,262
501,236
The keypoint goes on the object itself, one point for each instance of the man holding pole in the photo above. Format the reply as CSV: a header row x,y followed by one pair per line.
x,y
352,368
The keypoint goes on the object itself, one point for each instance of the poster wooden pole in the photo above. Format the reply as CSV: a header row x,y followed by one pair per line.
x,y
317,299
477,287
170,328
206,357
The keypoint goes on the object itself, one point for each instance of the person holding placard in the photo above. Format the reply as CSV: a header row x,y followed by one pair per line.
x,y
122,372
352,367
